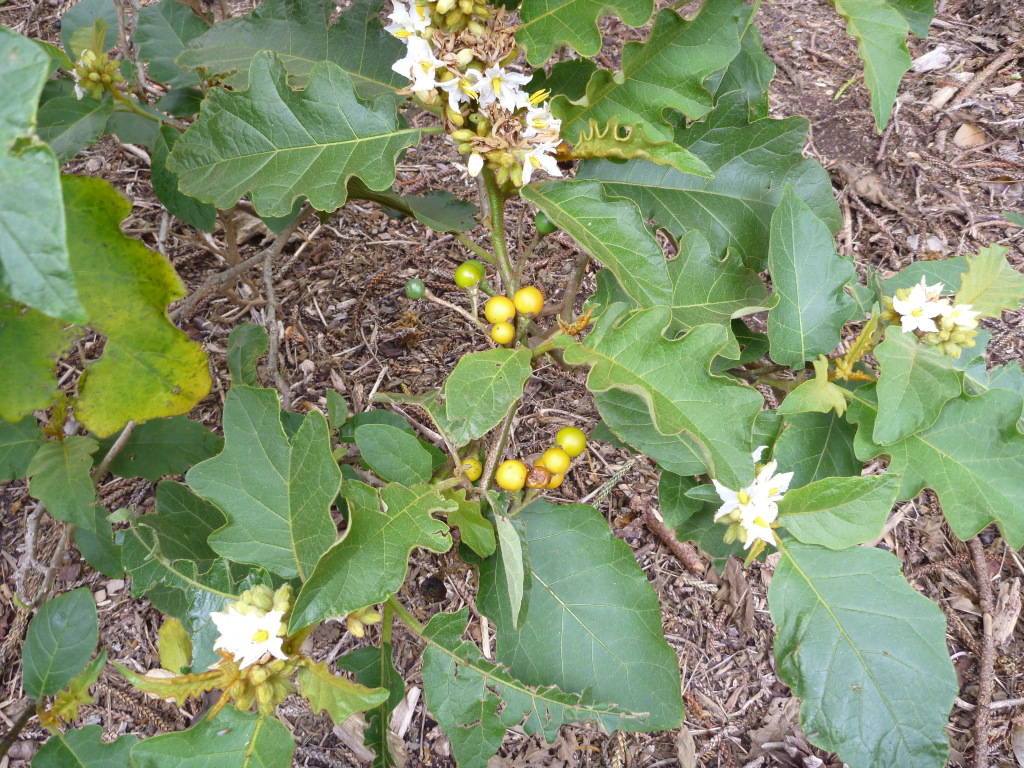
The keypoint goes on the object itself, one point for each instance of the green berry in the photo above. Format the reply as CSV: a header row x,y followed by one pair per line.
x,y
469,273
545,226
415,289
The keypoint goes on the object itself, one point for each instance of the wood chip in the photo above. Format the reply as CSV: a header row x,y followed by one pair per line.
x,y
686,749
1008,604
969,135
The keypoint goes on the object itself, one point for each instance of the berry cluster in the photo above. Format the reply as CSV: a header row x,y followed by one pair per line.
x,y
500,311
549,470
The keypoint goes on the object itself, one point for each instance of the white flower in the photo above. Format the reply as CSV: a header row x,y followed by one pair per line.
x,y
759,526
542,157
408,20
918,309
475,164
962,315
502,86
755,507
540,119
461,89
248,636
419,64
768,486
758,452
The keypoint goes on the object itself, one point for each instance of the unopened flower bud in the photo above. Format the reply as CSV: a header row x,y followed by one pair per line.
x,y
464,57
463,135
516,175
258,675
466,6
476,28
475,164
443,6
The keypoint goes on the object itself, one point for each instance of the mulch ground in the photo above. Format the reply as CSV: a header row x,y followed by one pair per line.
x,y
932,185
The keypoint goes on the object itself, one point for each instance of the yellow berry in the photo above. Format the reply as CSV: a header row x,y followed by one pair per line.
x,y
499,309
472,469
511,475
503,333
556,480
556,461
571,440
529,301
538,477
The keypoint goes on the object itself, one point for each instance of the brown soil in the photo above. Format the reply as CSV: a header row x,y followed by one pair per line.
x,y
910,193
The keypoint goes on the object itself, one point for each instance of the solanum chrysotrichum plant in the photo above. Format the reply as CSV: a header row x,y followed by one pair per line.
x,y
284,112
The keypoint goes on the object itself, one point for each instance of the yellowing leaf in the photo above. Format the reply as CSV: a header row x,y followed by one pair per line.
x,y
335,694
148,368
991,284
174,646
631,141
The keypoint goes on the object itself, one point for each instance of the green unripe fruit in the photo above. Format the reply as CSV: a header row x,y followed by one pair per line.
x,y
469,273
545,226
415,288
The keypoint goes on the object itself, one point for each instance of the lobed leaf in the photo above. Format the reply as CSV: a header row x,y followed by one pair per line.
x,y
371,561
279,145
34,262
630,142
809,278
991,284
59,643
972,457
163,447
839,512
548,24
336,695
750,72
814,446
61,479
164,30
481,390
865,653
276,492
165,182
475,531
605,642
301,34
84,748
30,343
18,444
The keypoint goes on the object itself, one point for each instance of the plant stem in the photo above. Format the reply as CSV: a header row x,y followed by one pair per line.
x,y
134,107
496,212
573,286
19,724
404,616
497,448
476,249
430,296
386,622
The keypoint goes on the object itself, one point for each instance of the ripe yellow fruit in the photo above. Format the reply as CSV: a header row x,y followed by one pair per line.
x,y
528,301
511,475
571,440
556,461
555,481
472,469
503,333
499,309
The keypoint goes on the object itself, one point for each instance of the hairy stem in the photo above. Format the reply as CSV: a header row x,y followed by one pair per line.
x,y
986,662
476,249
496,213
271,322
404,616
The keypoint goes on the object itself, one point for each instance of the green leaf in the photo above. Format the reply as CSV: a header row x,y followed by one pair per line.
x,y
337,695
69,125
165,183
233,739
816,445
149,368
18,444
476,532
181,102
165,29
914,383
374,668
371,561
34,261
347,432
276,493
59,642
440,210
1014,218
818,394
300,33
991,283
163,447
395,455
631,141
84,748
865,653
751,161
918,13
337,409
132,128
83,15
61,480
676,507
808,276
30,343
548,24
881,34
464,692
481,390
709,419
607,642
750,72
643,90
287,144
97,546
247,343
839,512
972,457
945,271
512,558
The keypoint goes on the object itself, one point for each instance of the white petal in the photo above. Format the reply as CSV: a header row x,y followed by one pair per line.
x,y
758,452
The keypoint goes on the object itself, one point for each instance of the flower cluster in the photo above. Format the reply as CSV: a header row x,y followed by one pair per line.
x,y
936,321
750,512
253,627
458,54
94,73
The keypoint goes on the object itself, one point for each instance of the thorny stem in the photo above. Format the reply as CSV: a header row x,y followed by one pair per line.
x,y
270,318
496,213
19,724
